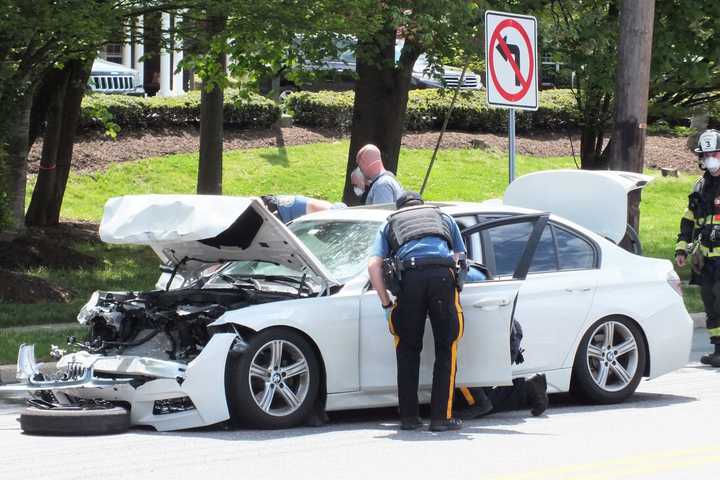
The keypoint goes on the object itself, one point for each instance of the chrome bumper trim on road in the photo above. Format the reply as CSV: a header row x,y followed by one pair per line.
x,y
28,374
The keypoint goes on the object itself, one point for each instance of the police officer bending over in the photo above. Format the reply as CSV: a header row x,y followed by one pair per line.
x,y
700,237
420,247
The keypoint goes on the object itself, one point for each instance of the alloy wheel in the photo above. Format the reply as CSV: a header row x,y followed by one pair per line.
x,y
612,356
279,378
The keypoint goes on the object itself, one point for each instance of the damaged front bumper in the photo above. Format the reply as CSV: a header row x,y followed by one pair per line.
x,y
163,394
71,374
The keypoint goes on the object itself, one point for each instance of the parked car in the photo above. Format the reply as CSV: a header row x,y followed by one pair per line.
x,y
339,74
110,77
289,322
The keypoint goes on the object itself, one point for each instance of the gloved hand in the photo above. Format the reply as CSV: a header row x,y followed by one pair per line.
x,y
680,259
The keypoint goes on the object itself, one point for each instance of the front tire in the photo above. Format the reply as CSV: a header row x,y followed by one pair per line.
x,y
609,362
275,381
101,420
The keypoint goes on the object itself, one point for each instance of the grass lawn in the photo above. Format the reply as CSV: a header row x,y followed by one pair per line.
x,y
11,338
317,171
122,268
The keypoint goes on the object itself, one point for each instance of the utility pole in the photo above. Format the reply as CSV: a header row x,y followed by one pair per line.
x,y
632,81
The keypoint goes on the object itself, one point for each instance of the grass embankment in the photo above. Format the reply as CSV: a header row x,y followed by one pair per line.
x,y
313,170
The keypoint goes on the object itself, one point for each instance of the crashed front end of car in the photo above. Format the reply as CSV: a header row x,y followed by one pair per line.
x,y
157,353
167,395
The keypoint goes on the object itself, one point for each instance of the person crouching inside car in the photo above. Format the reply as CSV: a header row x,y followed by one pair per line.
x,y
473,402
415,254
700,237
289,207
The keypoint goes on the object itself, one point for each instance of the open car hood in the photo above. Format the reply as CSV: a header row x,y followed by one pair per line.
x,y
596,200
201,229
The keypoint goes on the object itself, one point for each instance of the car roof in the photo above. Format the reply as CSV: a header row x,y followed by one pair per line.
x,y
378,213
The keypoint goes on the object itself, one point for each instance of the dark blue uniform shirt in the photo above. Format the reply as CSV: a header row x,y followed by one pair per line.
x,y
426,247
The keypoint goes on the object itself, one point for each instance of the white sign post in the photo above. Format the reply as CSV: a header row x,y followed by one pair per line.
x,y
511,66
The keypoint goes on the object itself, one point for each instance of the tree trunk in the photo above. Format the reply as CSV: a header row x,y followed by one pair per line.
x,y
381,96
627,144
17,124
77,85
40,106
211,127
211,141
592,137
45,184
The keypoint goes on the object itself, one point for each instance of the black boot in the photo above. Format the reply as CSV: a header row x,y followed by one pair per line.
x,y
445,425
410,423
712,359
482,405
537,394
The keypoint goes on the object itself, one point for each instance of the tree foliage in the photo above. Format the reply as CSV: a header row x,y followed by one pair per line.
x,y
36,39
685,68
684,76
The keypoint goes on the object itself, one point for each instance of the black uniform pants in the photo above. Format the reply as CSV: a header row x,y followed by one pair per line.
x,y
503,399
429,290
710,293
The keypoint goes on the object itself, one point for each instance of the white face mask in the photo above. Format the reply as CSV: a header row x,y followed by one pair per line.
x,y
358,191
712,164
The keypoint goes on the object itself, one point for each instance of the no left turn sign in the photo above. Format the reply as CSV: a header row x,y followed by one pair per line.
x,y
511,60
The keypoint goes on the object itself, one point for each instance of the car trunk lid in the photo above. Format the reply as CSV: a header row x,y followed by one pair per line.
x,y
596,200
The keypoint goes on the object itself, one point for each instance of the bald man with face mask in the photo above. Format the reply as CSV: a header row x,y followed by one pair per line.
x,y
383,187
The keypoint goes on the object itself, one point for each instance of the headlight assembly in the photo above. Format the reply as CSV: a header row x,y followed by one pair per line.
x,y
87,311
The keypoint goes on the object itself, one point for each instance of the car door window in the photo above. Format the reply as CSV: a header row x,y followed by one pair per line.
x,y
545,258
507,242
574,252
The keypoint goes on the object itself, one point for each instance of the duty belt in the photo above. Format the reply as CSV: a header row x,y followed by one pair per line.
x,y
413,263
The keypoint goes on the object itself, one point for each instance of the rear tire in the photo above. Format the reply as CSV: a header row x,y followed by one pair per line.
x,y
609,362
274,382
74,421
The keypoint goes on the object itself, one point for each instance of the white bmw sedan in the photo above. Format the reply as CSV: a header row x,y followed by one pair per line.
x,y
267,324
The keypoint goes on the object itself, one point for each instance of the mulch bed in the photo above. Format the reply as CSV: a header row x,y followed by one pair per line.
x,y
49,247
18,287
94,152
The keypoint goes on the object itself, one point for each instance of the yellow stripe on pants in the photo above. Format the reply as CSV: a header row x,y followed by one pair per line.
x,y
453,353
396,339
468,396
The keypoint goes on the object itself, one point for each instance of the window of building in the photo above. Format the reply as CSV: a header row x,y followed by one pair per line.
x,y
112,52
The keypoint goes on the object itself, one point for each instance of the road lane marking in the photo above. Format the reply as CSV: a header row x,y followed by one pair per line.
x,y
631,465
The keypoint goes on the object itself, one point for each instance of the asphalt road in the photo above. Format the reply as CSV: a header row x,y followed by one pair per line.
x,y
670,429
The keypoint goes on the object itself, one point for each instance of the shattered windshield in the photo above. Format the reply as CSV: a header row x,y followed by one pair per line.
x,y
343,247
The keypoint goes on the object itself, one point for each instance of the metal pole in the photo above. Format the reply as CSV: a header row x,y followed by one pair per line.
x,y
445,124
511,153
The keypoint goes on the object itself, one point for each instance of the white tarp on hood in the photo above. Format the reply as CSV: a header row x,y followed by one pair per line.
x,y
596,200
205,229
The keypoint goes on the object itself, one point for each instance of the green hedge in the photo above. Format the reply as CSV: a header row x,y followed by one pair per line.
x,y
126,112
427,108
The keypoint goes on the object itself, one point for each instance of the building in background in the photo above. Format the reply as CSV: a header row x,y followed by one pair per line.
x,y
156,66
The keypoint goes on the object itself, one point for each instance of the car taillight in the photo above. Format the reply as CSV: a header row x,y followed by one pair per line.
x,y
674,281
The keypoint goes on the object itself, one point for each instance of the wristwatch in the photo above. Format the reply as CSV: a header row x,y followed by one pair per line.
x,y
387,306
